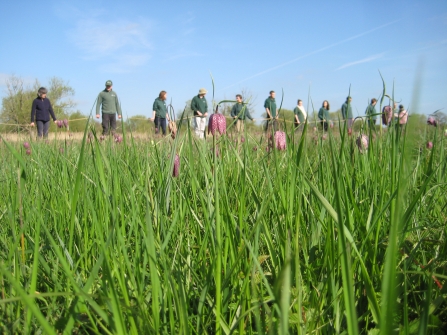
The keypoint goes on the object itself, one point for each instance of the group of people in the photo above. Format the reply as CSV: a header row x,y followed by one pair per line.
x,y
108,103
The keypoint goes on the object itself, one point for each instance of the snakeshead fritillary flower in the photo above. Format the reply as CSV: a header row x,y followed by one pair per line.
x,y
28,152
26,145
387,115
118,139
217,123
176,171
362,142
242,139
429,145
432,121
102,138
65,123
280,140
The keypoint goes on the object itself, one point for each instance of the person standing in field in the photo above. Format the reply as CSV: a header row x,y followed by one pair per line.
x,y
323,115
270,109
370,111
346,112
300,113
240,112
160,113
40,113
200,108
110,106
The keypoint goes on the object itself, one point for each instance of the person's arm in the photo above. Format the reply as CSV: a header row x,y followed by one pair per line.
x,y
233,111
118,106
50,109
33,112
247,113
167,117
343,111
98,103
205,114
194,106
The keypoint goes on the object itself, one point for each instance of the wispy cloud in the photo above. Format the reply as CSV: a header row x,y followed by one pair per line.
x,y
122,45
312,53
361,61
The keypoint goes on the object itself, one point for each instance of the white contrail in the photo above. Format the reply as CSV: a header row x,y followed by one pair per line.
x,y
365,60
311,53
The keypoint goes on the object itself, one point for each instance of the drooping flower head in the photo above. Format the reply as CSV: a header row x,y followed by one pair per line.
x,y
26,145
28,152
217,123
362,142
280,140
432,121
176,171
429,145
65,123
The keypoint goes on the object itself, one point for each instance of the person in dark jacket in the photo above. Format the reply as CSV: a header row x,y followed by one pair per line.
x,y
240,112
160,113
272,115
323,114
108,100
40,113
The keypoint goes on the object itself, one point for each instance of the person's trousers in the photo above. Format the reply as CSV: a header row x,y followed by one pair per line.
x,y
42,128
200,126
350,122
160,123
371,122
108,122
271,124
240,126
325,125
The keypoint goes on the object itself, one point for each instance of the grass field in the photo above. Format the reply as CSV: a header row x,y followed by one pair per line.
x,y
100,238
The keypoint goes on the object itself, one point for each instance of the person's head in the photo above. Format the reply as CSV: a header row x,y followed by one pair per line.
x,y
326,104
202,92
401,107
300,102
373,101
348,99
238,98
163,95
272,94
42,93
109,85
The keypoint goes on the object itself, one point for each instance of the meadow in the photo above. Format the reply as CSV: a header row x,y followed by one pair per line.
x,y
100,237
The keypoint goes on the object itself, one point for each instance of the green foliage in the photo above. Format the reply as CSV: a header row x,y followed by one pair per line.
x,y
314,239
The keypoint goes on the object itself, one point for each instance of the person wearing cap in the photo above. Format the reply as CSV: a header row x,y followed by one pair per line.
x,y
300,113
346,111
160,113
40,113
200,108
110,106
370,111
240,112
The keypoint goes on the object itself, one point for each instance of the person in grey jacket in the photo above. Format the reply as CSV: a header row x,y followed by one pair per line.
x,y
110,106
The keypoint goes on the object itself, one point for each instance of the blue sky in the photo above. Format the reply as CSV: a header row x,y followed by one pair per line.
x,y
146,47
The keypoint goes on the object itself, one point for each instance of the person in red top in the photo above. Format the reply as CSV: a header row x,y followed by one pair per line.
x,y
40,113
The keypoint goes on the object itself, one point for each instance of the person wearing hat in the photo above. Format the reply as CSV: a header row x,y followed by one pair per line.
x,y
110,106
40,113
240,112
346,111
370,111
160,113
200,108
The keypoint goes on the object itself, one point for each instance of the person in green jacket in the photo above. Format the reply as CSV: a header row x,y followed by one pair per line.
x,y
370,110
323,115
346,112
110,106
300,113
200,108
270,109
160,113
240,112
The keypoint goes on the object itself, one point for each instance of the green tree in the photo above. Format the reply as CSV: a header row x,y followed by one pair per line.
x,y
16,105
